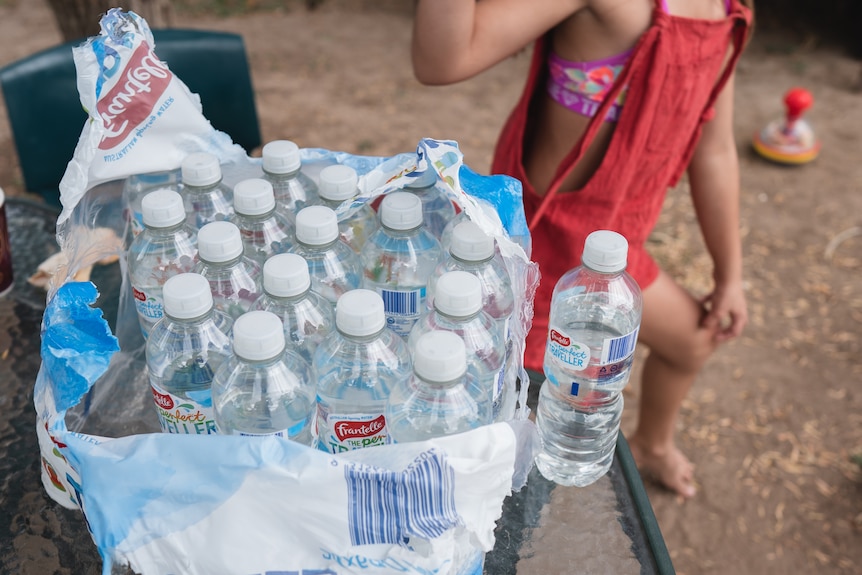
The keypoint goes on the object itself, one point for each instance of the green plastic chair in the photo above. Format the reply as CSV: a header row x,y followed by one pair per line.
x,y
46,116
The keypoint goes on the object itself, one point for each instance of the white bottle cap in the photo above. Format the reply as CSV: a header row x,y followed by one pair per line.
x,y
316,225
219,242
258,335
187,296
286,275
281,157
423,180
470,243
253,197
401,211
359,312
440,356
162,209
338,183
458,294
200,169
605,251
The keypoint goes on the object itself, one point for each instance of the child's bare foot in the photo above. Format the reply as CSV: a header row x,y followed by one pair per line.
x,y
670,468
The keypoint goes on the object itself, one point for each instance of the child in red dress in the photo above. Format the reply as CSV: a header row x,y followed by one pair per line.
x,y
623,97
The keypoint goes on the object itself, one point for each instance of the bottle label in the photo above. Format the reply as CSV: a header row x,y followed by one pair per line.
x,y
183,415
615,349
403,308
148,302
339,432
574,355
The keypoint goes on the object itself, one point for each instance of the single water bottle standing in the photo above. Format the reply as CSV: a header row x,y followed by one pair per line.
x,y
338,184
265,231
399,259
437,208
206,198
263,388
593,328
165,248
308,318
440,397
355,369
458,309
334,267
185,349
282,167
473,251
137,186
234,279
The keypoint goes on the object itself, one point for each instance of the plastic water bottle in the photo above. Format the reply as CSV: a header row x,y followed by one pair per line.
x,y
263,388
206,198
265,231
282,168
594,322
437,209
234,279
472,250
356,368
307,317
458,309
184,350
337,185
137,186
440,398
460,217
165,248
333,266
399,259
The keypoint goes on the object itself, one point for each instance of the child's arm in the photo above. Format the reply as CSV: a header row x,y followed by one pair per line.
x,y
714,177
456,39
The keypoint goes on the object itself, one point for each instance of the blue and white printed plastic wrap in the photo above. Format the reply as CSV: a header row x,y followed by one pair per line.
x,y
208,504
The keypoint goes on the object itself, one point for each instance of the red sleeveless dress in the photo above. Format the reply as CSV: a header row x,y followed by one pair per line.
x,y
671,77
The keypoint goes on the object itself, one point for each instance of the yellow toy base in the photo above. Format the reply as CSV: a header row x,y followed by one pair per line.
x,y
776,154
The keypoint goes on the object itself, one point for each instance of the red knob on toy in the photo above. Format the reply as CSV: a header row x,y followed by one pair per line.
x,y
797,101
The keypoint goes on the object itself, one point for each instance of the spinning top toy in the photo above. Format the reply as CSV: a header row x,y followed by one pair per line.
x,y
789,140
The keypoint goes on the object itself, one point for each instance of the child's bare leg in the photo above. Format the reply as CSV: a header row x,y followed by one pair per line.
x,y
678,350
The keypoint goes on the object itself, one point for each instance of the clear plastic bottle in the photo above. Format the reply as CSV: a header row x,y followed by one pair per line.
x,y
263,388
437,208
333,266
460,217
338,184
398,260
594,322
307,316
458,309
185,349
265,231
206,198
137,186
234,279
356,368
166,247
440,398
472,250
282,167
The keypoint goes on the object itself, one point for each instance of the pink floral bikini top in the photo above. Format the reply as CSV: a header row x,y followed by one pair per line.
x,y
581,86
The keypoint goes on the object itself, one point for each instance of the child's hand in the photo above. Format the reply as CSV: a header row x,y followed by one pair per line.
x,y
725,311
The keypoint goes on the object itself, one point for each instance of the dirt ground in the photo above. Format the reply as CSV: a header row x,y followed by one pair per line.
x,y
776,417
